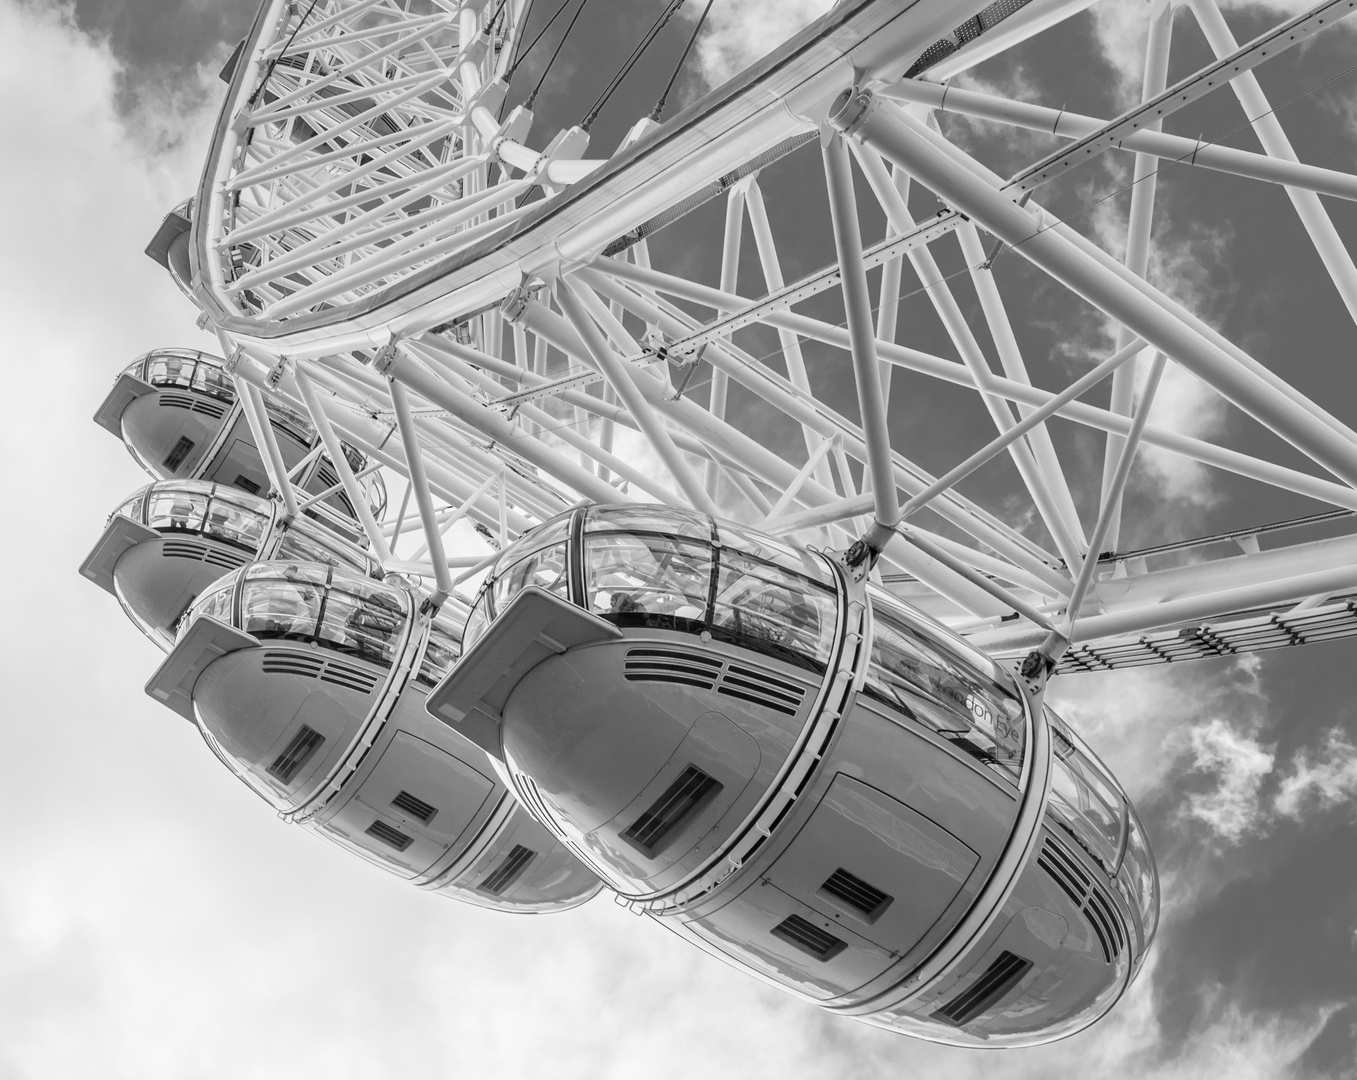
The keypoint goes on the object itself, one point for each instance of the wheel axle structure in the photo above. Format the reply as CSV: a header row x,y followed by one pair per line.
x,y
507,325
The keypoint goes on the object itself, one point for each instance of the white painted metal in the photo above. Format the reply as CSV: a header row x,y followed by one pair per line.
x,y
358,217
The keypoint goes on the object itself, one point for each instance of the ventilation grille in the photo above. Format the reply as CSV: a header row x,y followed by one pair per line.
x,y
750,684
335,672
297,753
808,937
176,457
679,800
1086,895
414,807
673,666
190,549
245,484
704,672
391,837
290,663
187,402
351,678
531,798
999,978
857,894
508,871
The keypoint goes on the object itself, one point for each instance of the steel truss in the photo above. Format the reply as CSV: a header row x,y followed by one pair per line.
x,y
512,330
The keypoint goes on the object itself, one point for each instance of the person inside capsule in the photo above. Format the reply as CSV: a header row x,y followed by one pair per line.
x,y
171,539
820,791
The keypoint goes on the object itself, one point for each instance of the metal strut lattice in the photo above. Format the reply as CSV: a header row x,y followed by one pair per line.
x,y
515,325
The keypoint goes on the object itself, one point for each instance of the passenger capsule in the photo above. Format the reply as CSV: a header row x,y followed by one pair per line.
x,y
169,246
172,539
308,681
805,776
177,413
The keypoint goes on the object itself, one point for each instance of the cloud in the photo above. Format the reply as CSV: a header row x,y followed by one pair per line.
x,y
1238,764
739,32
1321,784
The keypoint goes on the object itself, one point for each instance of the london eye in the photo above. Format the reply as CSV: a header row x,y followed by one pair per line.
x,y
555,518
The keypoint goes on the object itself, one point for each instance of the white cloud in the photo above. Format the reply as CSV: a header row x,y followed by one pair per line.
x,y
739,32
1322,783
1239,765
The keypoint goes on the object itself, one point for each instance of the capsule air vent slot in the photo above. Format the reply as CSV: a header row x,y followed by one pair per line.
x,y
351,678
297,753
245,484
391,837
508,871
291,663
692,788
750,684
997,980
196,552
531,798
1085,894
414,806
673,666
851,890
211,408
809,938
175,401
181,450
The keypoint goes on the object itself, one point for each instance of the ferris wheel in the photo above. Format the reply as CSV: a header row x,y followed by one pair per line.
x,y
432,312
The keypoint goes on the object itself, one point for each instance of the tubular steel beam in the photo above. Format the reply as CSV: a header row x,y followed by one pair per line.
x,y
414,458
897,137
1144,183
341,463
1268,128
262,430
1169,149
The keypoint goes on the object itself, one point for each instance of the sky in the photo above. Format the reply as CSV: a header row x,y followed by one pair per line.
x,y
157,921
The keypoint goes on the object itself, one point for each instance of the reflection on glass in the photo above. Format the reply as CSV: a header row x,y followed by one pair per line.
x,y
654,566
281,608
1137,878
545,569
636,575
649,519
306,542
176,508
440,654
973,705
363,621
217,604
552,531
1084,796
186,369
478,620
771,610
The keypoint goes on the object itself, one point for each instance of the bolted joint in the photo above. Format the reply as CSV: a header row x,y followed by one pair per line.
x,y
515,305
384,358
850,109
232,362
275,374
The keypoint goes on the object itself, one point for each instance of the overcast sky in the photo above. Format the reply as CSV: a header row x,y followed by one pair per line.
x,y
157,921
